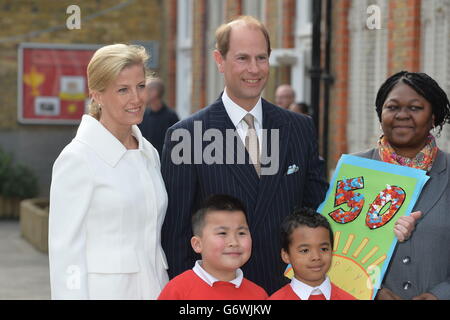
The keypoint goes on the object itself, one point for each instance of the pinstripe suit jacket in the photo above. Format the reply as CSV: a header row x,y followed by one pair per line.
x,y
268,200
422,264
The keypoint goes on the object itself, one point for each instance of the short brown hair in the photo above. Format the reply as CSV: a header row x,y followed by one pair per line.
x,y
224,31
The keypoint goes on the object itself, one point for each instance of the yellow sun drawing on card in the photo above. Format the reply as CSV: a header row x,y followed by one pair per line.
x,y
347,269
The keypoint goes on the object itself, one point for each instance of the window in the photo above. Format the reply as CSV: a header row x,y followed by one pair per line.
x,y
184,58
216,17
436,51
255,8
301,80
368,70
304,15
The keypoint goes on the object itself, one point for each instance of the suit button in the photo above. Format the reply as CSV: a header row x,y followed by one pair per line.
x,y
407,285
406,260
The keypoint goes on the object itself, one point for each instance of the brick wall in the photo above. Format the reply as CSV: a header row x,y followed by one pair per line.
x,y
26,21
233,9
404,35
277,15
339,92
169,50
288,22
280,24
404,52
25,17
199,55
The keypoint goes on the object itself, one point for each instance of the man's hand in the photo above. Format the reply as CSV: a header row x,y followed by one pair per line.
x,y
386,294
425,296
406,225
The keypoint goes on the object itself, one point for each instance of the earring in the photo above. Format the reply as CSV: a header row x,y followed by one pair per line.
x,y
435,132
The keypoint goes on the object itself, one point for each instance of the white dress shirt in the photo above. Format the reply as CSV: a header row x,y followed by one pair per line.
x,y
303,291
237,114
209,279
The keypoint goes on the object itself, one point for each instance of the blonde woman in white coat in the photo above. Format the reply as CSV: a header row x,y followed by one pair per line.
x,y
107,197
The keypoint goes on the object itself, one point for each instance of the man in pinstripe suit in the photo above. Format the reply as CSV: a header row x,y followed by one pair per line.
x,y
242,55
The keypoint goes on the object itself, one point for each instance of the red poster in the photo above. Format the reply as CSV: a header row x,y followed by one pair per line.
x,y
52,83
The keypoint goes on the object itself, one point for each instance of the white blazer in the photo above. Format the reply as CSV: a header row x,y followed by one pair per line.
x,y
107,206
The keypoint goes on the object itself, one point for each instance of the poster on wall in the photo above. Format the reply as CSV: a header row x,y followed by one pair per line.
x,y
365,199
52,84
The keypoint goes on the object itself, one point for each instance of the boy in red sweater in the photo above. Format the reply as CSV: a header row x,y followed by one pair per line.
x,y
307,242
222,237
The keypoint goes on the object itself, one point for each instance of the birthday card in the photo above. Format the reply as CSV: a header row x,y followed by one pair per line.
x,y
365,199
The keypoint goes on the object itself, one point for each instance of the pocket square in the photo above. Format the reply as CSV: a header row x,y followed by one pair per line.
x,y
292,169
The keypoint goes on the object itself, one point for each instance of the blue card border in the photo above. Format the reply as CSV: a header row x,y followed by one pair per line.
x,y
418,174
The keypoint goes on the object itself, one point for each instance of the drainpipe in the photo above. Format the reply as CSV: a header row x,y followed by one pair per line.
x,y
328,80
315,71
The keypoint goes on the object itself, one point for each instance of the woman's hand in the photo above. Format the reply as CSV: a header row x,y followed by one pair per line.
x,y
425,296
386,294
406,225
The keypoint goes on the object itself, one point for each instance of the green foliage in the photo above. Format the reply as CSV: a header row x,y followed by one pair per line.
x,y
5,166
16,180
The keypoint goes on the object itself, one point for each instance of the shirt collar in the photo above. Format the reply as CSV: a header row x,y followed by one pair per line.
x,y
209,279
237,113
92,133
303,291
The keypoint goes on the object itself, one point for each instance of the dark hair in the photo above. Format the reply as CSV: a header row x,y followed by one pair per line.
x,y
217,202
424,85
302,217
302,107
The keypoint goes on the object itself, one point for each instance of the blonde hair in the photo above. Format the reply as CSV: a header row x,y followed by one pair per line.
x,y
224,31
106,64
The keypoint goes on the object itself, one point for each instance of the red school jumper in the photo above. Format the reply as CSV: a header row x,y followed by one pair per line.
x,y
189,286
287,293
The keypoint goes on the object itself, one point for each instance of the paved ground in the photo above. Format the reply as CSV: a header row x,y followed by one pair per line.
x,y
23,269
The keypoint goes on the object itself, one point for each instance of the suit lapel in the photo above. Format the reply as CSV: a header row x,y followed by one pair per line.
x,y
432,193
272,119
260,190
244,173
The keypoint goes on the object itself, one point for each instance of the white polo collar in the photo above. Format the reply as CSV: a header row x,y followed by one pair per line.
x,y
303,291
209,279
92,133
237,113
